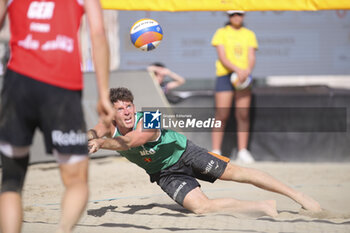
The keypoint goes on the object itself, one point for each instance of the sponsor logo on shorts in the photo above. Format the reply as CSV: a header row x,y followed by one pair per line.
x,y
209,167
70,138
178,189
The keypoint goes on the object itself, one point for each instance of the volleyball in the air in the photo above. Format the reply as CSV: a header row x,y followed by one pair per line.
x,y
146,34
240,86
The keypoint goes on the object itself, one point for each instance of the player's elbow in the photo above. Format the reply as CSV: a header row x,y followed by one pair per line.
x,y
99,35
125,146
181,81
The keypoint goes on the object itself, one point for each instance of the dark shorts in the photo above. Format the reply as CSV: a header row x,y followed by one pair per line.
x,y
196,162
27,104
223,83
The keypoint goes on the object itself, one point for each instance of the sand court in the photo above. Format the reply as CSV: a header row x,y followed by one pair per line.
x,y
123,200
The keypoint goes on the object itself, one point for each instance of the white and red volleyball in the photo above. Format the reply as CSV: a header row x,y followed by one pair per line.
x,y
146,34
240,86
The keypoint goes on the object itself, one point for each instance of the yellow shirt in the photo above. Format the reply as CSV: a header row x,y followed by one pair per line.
x,y
236,44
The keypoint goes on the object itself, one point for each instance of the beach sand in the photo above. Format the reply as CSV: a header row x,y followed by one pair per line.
x,y
123,200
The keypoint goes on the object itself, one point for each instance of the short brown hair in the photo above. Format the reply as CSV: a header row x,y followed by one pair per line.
x,y
120,93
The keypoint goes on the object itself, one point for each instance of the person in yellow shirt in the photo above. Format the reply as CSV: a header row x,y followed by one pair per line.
x,y
235,46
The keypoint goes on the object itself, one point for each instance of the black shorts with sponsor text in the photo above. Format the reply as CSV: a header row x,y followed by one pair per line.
x,y
196,162
27,104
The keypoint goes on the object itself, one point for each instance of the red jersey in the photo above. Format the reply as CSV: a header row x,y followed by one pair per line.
x,y
44,41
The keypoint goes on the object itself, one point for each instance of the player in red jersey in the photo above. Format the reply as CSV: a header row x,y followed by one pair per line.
x,y
42,89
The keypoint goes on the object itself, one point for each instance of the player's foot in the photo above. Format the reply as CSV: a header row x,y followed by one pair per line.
x,y
244,156
308,203
269,207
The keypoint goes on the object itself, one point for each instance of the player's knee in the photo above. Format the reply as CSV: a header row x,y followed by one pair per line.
x,y
76,173
205,207
221,117
201,207
242,115
13,173
222,114
198,210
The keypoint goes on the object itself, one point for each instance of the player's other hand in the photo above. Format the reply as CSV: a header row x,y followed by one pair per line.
x,y
94,145
105,111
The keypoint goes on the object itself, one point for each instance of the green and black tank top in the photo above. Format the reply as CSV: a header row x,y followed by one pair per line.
x,y
156,155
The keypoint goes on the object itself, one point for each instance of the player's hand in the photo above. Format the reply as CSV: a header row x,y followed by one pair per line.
x,y
242,75
94,145
105,111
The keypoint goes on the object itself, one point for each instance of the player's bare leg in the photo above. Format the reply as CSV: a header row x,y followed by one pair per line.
x,y
75,180
223,103
197,202
267,182
10,212
242,103
13,171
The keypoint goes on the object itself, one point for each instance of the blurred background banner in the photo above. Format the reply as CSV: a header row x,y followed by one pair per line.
x,y
222,5
291,43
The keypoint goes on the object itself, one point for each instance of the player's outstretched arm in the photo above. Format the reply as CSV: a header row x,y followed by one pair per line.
x,y
100,52
100,130
118,144
132,139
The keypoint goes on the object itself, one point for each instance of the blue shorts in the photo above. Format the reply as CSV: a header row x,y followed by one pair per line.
x,y
223,83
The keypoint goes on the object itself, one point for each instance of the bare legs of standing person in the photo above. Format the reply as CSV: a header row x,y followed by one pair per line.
x,y
223,103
